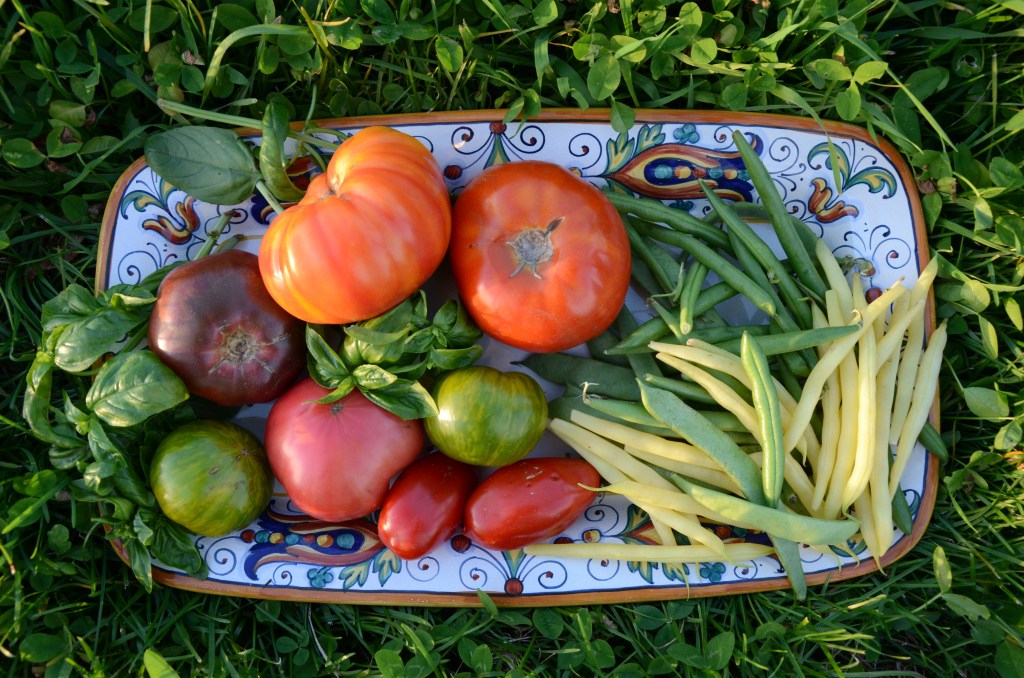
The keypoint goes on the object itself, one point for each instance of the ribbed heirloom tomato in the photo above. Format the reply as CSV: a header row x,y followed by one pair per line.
x,y
540,256
367,234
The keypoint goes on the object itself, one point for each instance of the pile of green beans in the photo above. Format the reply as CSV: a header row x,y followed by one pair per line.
x,y
686,267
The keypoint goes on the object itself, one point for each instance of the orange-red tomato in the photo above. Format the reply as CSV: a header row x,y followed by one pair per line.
x,y
531,500
540,256
367,234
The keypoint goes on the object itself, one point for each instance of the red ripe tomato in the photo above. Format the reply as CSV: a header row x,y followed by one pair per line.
x,y
529,501
216,326
336,460
540,256
367,234
425,505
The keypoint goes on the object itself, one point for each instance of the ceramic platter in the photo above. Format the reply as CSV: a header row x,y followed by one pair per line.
x,y
850,188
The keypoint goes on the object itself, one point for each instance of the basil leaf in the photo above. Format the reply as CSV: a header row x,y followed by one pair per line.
x,y
65,458
420,341
404,398
102,448
130,486
210,163
273,162
447,316
173,546
84,342
36,406
342,390
72,303
141,562
132,387
324,364
366,335
464,333
371,377
84,328
142,530
447,359
97,472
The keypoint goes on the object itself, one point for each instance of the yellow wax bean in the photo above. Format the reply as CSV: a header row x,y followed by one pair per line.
x,y
867,404
830,361
627,436
925,386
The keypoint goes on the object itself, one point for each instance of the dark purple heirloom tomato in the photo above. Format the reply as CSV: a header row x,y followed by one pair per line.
x,y
217,327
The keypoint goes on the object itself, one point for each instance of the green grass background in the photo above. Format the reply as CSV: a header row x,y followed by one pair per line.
x,y
80,82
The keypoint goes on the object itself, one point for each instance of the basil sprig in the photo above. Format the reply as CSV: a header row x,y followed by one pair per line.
x,y
387,357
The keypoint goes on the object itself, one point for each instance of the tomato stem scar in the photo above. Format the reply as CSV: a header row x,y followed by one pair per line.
x,y
533,247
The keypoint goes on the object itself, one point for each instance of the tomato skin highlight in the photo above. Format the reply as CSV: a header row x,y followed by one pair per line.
x,y
540,256
211,477
425,505
336,460
217,327
367,234
529,501
487,417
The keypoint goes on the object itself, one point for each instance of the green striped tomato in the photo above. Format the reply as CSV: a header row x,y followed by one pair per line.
x,y
211,477
487,417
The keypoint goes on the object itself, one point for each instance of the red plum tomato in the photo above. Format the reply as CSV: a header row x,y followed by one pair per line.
x,y
425,505
337,460
529,501
216,327
539,255
211,477
487,417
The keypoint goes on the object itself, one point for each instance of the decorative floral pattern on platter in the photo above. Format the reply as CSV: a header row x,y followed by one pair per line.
x,y
845,189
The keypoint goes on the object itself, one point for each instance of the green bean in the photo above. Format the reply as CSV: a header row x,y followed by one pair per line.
x,y
677,220
642,274
788,552
692,284
656,328
716,263
789,382
798,364
786,342
764,255
691,425
687,390
719,334
776,521
640,246
789,238
635,413
641,363
602,342
637,340
671,321
901,514
668,263
600,378
769,416
932,441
